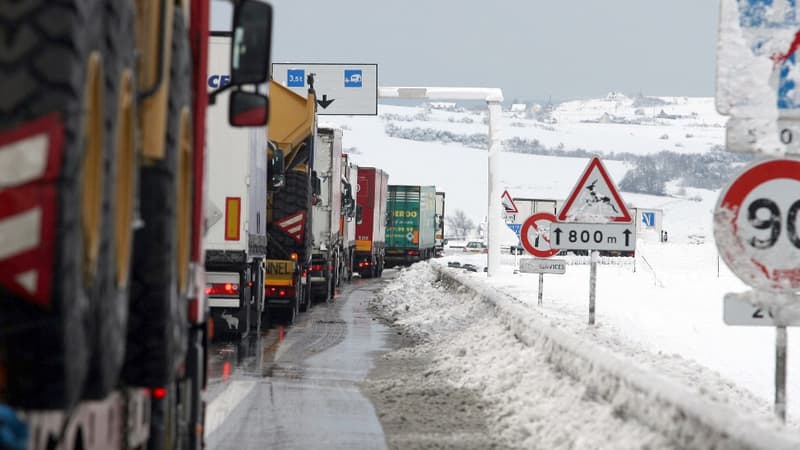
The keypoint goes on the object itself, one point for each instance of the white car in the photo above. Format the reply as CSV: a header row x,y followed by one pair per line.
x,y
476,247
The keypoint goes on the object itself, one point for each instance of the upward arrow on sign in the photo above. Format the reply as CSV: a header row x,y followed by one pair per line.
x,y
594,197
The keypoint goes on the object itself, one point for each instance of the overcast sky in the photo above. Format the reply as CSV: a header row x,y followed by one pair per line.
x,y
532,49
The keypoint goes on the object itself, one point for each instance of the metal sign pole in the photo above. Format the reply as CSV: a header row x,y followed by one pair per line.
x,y
780,372
592,283
541,287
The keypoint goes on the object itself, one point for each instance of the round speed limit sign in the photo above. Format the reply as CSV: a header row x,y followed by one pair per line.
x,y
535,235
756,225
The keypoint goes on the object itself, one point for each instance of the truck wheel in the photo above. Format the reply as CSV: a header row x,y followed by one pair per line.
x,y
305,300
157,327
110,306
53,83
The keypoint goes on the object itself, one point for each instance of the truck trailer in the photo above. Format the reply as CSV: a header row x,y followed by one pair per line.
x,y
371,221
347,226
236,238
439,242
326,214
102,285
411,231
290,149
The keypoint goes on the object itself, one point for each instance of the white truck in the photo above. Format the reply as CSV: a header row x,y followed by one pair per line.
x,y
236,239
347,221
326,213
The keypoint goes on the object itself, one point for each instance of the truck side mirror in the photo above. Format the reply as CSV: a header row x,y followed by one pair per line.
x,y
252,39
248,109
275,168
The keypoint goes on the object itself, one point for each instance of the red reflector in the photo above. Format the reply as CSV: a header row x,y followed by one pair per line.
x,y
412,252
158,393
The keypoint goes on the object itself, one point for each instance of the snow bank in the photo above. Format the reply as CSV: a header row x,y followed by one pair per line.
x,y
670,409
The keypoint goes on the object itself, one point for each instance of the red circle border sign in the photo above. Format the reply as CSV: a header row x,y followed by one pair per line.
x,y
523,235
731,245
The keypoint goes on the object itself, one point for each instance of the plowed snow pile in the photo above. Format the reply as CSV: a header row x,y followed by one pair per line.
x,y
530,405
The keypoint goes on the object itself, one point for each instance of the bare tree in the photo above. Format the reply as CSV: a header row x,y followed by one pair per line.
x,y
460,224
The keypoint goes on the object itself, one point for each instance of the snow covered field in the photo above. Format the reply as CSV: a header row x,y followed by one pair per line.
x,y
665,314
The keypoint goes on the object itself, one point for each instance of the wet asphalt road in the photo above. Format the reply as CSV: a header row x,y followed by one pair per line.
x,y
298,388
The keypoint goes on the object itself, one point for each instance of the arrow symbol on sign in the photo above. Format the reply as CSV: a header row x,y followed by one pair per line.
x,y
627,234
557,231
325,102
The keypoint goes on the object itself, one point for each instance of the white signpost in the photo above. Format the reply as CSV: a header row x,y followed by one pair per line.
x,y
756,231
342,89
542,266
594,217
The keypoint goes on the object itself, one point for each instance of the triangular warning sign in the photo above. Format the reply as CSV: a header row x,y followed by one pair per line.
x,y
508,203
294,225
595,198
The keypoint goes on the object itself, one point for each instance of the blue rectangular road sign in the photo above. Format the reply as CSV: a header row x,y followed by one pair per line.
x,y
515,227
353,78
296,78
649,219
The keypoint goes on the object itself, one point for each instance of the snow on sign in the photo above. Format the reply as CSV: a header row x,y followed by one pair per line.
x,y
342,89
757,75
595,198
508,203
756,225
535,235
535,265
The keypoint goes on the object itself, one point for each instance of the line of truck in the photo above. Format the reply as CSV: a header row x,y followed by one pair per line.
x,y
324,217
145,209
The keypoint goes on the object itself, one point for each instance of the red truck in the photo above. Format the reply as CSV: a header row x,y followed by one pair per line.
x,y
370,221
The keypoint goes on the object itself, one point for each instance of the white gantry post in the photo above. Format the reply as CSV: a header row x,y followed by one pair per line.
x,y
494,99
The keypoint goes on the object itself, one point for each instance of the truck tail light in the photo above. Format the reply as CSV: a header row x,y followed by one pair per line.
x,y
230,289
279,291
157,393
413,252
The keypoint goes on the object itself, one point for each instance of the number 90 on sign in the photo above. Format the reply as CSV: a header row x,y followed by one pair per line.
x,y
756,225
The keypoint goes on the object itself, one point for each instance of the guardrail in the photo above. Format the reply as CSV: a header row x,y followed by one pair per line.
x,y
677,413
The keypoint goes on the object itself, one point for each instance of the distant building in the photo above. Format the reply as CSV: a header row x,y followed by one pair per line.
x,y
519,107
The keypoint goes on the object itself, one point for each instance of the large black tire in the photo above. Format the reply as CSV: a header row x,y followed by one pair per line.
x,y
294,197
157,326
110,306
45,53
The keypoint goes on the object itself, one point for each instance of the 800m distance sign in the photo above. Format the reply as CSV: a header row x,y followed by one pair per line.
x,y
756,225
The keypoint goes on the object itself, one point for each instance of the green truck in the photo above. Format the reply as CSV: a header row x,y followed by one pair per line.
x,y
411,224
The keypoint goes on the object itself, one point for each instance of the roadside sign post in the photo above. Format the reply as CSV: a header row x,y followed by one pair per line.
x,y
756,232
541,289
542,266
780,372
592,284
594,218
